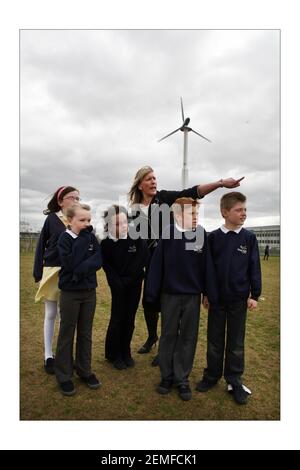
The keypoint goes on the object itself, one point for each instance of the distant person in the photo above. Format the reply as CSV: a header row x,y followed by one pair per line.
x,y
267,253
144,193
47,263
181,270
80,256
235,255
124,261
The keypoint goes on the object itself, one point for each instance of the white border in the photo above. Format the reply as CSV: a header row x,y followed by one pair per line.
x,y
154,14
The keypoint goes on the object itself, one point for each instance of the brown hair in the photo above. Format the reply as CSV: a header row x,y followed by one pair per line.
x,y
71,211
112,210
228,200
53,204
135,195
178,205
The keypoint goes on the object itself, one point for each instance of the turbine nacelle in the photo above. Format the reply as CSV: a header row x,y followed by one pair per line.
x,y
186,122
184,127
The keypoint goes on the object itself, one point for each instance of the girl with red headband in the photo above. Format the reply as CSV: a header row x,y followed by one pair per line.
x,y
47,263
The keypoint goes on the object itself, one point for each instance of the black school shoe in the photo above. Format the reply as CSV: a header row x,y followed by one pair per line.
x,y
164,387
91,381
129,361
184,392
204,385
67,388
240,395
119,364
49,365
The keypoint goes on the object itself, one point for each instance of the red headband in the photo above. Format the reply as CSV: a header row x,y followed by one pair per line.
x,y
60,191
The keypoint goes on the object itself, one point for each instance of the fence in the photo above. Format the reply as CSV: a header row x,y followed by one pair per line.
x,y
28,242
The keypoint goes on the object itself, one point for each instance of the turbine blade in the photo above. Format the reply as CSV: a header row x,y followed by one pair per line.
x,y
169,134
201,135
182,113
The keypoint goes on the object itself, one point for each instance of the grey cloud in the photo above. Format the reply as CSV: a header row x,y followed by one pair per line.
x,y
94,104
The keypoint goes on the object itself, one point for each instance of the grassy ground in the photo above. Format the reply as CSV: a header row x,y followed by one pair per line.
x,y
130,394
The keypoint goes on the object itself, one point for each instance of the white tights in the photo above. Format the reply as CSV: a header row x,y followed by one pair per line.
x,y
49,323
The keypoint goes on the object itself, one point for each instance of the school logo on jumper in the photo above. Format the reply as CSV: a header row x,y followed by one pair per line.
x,y
132,249
198,249
243,249
91,247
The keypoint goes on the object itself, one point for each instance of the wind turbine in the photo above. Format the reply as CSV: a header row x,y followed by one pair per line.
x,y
185,129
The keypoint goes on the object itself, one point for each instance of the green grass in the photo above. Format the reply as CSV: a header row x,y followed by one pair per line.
x,y
130,394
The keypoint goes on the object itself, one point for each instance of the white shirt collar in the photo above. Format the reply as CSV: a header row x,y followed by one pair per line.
x,y
74,235
226,230
181,229
117,239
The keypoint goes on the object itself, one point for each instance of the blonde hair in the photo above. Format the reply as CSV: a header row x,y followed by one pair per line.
x,y
230,199
178,205
135,195
71,211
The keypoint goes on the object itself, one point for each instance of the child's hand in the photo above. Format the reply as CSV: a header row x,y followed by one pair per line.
x,y
88,229
251,304
205,302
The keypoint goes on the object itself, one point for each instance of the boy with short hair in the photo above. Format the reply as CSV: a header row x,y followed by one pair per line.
x,y
181,270
235,255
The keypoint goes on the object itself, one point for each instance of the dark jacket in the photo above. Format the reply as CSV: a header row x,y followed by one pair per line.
x,y
80,259
46,253
175,269
237,264
161,197
124,261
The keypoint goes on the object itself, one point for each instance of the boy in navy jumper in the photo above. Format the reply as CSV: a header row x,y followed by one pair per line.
x,y
80,257
124,260
236,257
180,271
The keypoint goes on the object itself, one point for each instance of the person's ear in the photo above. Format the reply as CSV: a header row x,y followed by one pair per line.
x,y
224,213
177,216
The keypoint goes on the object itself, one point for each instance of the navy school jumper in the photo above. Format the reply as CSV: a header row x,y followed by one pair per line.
x,y
80,259
46,253
237,264
176,270
124,261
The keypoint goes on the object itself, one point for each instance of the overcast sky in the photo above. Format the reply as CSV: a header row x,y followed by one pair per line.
x,y
94,104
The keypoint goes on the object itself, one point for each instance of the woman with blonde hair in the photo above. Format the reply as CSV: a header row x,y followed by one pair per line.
x,y
144,198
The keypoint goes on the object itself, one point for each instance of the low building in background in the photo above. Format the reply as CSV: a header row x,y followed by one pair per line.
x,y
267,235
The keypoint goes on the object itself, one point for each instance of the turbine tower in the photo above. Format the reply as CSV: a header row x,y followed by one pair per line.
x,y
185,129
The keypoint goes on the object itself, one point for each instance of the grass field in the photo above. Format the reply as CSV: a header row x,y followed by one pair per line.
x,y
130,394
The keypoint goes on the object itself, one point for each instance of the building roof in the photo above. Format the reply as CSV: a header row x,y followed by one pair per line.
x,y
264,228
